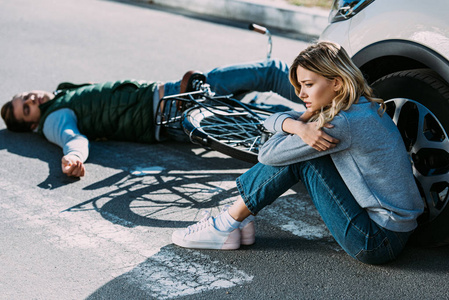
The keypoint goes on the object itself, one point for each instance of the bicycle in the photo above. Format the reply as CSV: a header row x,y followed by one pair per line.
x,y
219,122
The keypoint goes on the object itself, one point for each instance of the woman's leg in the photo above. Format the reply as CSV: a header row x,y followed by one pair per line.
x,y
264,76
262,185
350,224
210,234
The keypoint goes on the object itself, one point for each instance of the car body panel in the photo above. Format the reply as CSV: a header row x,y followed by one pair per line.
x,y
417,30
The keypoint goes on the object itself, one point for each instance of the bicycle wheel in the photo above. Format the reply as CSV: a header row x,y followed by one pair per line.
x,y
230,130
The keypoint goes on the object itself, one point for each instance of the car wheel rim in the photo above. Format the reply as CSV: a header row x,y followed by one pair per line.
x,y
427,144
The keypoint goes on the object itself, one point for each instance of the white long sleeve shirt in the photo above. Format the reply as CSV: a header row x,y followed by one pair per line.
x,y
61,128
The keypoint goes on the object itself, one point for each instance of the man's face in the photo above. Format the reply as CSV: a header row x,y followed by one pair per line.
x,y
26,106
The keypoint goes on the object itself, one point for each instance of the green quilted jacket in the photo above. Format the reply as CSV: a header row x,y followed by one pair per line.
x,y
121,110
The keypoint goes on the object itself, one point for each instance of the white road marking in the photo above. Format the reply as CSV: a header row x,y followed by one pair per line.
x,y
296,215
142,171
137,252
141,253
168,275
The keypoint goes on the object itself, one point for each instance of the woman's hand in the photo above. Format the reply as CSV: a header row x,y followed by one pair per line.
x,y
310,134
72,166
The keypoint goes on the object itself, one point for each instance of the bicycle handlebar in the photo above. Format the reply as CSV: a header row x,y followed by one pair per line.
x,y
258,28
265,31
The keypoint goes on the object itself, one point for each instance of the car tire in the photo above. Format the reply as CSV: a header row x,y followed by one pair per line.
x,y
418,102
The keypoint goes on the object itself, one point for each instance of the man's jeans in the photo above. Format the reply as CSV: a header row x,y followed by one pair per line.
x,y
264,76
350,224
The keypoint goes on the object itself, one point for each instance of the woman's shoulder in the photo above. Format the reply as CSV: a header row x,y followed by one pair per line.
x,y
358,113
361,108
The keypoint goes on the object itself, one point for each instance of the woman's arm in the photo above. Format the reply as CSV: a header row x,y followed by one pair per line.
x,y
293,122
274,122
60,128
309,132
291,146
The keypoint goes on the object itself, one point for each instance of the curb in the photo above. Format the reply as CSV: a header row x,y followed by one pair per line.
x,y
290,18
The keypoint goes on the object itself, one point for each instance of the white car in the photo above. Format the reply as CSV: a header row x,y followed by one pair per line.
x,y
402,47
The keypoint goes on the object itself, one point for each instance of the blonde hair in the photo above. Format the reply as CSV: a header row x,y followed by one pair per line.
x,y
332,61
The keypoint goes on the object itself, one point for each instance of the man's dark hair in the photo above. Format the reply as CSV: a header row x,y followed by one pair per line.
x,y
11,121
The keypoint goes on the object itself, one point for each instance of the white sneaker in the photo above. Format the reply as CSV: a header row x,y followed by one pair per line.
x,y
203,235
247,232
247,229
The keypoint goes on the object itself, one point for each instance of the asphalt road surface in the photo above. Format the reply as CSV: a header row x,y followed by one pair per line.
x,y
107,236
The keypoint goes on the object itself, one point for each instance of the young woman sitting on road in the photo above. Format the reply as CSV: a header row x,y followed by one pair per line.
x,y
345,150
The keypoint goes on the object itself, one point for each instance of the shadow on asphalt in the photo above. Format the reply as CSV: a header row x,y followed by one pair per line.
x,y
180,273
137,201
31,145
131,200
184,180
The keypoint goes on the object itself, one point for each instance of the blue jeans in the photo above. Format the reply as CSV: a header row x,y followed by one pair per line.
x,y
264,76
349,223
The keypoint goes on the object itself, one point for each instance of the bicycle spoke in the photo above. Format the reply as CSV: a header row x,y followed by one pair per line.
x,y
232,127
231,130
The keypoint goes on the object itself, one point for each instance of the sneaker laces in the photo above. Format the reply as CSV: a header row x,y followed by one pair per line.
x,y
203,223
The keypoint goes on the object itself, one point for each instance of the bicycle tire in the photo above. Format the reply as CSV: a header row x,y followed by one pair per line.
x,y
229,130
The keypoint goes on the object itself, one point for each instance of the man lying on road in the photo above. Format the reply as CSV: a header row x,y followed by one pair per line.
x,y
125,110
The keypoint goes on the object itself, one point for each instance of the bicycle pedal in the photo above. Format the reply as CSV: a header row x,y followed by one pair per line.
x,y
191,81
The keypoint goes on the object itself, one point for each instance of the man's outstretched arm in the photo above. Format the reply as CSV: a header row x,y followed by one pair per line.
x,y
61,128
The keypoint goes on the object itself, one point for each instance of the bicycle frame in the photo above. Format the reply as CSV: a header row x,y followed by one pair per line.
x,y
218,122
222,123
170,109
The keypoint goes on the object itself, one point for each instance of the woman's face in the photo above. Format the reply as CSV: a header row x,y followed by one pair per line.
x,y
26,106
316,90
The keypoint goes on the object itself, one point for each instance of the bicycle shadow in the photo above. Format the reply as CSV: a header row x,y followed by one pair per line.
x,y
163,196
185,179
151,200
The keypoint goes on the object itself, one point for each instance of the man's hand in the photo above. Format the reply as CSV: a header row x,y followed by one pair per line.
x,y
72,166
310,134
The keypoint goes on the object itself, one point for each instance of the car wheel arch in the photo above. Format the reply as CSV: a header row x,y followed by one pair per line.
x,y
389,56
